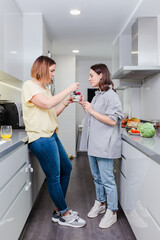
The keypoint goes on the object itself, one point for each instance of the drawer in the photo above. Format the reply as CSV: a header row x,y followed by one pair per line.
x,y
122,193
13,222
10,165
123,166
11,190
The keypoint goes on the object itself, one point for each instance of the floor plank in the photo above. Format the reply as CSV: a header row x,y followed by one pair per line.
x,y
80,197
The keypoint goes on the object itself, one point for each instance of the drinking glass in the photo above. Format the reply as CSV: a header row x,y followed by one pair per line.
x,y
6,131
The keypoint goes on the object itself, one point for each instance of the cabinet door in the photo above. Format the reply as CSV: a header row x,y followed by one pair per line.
x,y
12,223
36,177
11,190
153,193
10,165
13,44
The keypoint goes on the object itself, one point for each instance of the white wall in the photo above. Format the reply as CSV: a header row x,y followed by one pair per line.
x,y
150,100
83,65
64,76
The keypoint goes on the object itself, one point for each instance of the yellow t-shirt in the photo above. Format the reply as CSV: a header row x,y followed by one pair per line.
x,y
39,122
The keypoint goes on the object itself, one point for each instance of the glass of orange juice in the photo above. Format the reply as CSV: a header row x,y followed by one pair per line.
x,y
6,131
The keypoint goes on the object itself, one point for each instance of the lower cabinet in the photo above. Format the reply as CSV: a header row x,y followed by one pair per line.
x,y
138,178
22,179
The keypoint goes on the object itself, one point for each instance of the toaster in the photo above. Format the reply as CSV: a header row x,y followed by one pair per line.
x,y
11,114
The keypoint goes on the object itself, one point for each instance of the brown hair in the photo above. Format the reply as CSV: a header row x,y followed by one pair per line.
x,y
105,81
40,68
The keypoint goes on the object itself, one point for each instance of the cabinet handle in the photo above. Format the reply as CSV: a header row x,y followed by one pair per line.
x,y
29,167
28,186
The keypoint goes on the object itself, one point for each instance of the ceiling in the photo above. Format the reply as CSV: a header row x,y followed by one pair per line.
x,y
97,27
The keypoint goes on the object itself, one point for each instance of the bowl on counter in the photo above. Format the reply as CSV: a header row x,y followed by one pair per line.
x,y
156,123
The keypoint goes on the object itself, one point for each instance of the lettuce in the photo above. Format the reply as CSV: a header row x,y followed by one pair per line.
x,y
147,130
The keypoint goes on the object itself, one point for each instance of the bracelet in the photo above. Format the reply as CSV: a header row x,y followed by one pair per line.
x,y
64,104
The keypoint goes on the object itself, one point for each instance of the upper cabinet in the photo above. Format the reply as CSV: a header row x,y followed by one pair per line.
x,y
137,58
11,41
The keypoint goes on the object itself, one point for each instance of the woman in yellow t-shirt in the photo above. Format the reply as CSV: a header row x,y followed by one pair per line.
x,y
40,113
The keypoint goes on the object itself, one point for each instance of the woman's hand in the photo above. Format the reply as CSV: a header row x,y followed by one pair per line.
x,y
88,107
81,101
73,87
68,100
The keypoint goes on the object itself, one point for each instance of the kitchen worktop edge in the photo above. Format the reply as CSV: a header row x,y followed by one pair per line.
x,y
149,146
19,137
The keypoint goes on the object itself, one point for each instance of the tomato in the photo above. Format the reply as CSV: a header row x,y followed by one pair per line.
x,y
133,130
137,131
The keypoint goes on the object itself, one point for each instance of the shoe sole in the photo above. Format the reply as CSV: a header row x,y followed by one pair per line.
x,y
109,225
55,220
70,225
93,216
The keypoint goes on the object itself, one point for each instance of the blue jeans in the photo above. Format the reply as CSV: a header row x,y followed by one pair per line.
x,y
102,172
56,166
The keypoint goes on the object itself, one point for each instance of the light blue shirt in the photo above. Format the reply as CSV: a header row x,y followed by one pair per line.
x,y
100,139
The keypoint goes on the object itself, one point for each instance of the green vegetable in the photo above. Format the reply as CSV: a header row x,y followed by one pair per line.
x,y
147,130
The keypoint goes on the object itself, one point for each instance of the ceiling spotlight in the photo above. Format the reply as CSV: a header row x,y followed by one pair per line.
x,y
75,12
13,52
75,51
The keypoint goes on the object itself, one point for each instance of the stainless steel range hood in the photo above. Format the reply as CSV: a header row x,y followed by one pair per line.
x,y
144,51
136,72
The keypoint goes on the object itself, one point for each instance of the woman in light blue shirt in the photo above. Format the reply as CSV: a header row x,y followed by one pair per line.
x,y
101,138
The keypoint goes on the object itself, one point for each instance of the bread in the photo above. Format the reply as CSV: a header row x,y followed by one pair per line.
x,y
132,124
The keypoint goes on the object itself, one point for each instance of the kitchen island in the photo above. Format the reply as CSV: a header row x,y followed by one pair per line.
x,y
21,181
137,176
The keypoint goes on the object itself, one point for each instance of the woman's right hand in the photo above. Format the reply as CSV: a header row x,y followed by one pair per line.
x,y
73,87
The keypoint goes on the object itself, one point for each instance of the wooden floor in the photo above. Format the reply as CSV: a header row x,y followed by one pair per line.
x,y
80,197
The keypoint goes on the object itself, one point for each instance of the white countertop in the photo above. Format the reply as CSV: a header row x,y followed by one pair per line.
x,y
149,146
19,137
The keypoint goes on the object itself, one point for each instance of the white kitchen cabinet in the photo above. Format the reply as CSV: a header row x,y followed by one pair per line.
x,y
11,42
120,178
141,196
20,185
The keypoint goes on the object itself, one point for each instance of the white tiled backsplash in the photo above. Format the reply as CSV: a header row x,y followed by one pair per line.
x,y
142,102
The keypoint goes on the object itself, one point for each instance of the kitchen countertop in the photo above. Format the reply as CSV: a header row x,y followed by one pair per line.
x,y
149,146
19,137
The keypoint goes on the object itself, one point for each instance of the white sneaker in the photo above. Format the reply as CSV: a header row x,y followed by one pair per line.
x,y
96,209
56,215
72,220
108,219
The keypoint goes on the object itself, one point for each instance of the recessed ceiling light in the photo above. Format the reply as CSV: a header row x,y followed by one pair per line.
x,y
75,51
75,12
13,52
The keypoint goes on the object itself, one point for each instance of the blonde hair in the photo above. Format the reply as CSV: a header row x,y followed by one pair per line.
x,y
40,68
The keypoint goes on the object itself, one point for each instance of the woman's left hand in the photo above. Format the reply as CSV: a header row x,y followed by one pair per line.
x,y
88,107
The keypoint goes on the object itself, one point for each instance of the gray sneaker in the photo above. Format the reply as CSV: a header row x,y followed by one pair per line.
x,y
72,220
56,215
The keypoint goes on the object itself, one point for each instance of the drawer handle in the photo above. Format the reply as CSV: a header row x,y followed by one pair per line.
x,y
28,186
29,167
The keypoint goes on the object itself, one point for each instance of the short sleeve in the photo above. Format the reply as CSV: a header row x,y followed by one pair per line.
x,y
29,90
114,108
